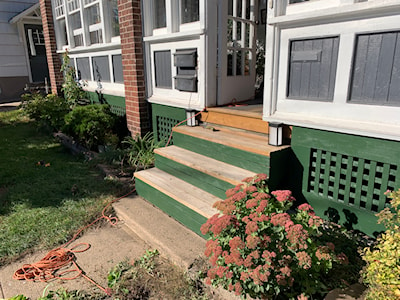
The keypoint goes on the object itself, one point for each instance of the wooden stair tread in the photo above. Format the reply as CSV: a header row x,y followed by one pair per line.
x,y
218,169
250,142
251,111
196,199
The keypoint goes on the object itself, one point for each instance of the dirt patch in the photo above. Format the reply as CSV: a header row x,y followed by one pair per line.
x,y
109,246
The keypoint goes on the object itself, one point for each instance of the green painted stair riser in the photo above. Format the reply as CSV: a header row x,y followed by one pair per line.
x,y
175,209
197,178
240,158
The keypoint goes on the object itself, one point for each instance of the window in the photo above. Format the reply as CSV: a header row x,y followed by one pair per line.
x,y
85,22
312,68
375,75
117,68
189,11
83,68
159,16
162,65
101,69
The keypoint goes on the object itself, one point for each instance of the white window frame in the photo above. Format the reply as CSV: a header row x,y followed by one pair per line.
x,y
172,96
61,11
338,115
111,88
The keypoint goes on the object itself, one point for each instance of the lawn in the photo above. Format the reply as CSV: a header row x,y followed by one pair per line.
x,y
46,194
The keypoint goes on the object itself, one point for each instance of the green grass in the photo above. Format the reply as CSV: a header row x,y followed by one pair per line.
x,y
42,207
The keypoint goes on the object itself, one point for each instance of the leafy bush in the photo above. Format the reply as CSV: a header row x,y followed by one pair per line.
x,y
141,150
382,272
72,89
91,125
257,247
48,110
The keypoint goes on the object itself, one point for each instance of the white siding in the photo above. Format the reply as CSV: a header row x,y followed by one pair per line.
x,y
12,54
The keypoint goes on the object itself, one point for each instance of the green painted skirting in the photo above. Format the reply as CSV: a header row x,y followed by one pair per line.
x,y
345,176
164,119
199,179
117,103
181,213
242,159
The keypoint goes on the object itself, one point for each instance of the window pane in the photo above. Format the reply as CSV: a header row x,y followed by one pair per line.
x,y
96,37
162,65
78,40
114,18
83,67
62,33
376,69
159,17
75,21
189,11
312,68
117,68
101,69
93,14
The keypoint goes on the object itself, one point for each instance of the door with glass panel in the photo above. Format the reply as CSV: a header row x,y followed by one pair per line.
x,y
237,51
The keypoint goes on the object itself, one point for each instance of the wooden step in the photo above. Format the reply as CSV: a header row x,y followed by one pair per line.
x,y
204,164
246,141
243,117
182,192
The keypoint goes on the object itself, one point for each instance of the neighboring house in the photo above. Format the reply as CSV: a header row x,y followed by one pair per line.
x,y
22,50
331,82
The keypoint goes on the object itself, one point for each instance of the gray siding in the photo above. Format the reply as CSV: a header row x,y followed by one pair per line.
x,y
376,69
312,68
162,66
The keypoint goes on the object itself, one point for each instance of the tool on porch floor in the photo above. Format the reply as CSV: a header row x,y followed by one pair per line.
x,y
50,266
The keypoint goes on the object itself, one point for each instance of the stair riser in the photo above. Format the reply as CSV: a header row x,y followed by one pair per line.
x,y
173,208
197,178
240,158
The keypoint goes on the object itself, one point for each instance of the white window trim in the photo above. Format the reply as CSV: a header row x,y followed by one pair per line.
x,y
338,115
110,88
189,100
104,25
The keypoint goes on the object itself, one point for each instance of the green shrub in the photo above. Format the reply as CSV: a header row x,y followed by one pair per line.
x,y
48,110
72,89
258,248
382,272
91,125
141,150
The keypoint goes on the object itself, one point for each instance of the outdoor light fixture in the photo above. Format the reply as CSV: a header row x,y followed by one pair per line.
x,y
275,134
190,118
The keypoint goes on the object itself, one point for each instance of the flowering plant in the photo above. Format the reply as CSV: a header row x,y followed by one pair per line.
x,y
382,272
258,247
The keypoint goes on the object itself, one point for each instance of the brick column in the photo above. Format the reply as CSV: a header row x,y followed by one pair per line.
x,y
130,24
53,59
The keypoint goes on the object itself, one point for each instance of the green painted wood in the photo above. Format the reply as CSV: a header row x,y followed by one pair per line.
x,y
164,118
178,211
365,168
117,103
243,159
199,179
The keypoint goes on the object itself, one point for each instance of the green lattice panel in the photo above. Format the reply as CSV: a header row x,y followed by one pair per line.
x,y
350,180
164,119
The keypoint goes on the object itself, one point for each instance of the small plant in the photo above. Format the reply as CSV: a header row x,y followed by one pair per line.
x,y
146,262
141,150
382,272
91,125
72,89
48,110
258,247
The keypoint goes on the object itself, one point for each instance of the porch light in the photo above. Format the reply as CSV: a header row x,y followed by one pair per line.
x,y
190,118
275,134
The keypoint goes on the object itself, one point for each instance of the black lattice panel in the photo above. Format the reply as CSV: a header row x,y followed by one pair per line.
x,y
164,128
350,180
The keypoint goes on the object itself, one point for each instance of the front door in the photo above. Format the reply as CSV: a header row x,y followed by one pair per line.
x,y
36,52
237,50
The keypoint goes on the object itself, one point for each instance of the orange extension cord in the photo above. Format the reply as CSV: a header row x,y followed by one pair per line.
x,y
58,258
